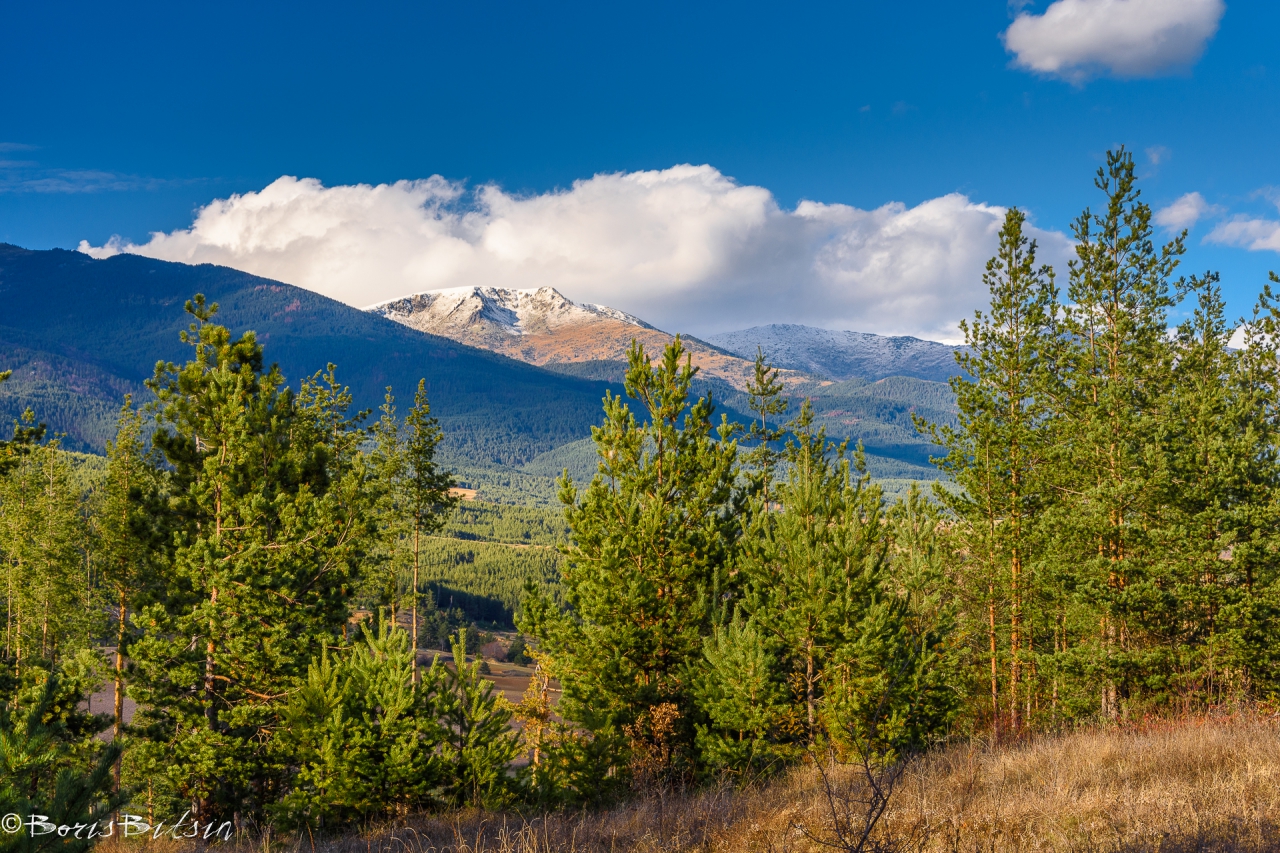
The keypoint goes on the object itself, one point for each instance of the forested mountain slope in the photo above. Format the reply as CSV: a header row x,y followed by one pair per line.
x,y
80,333
843,355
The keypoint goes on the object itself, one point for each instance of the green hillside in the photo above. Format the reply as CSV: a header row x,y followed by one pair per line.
x,y
877,413
80,333
83,332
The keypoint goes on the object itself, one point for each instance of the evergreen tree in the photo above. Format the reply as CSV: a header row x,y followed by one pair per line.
x,y
1205,601
740,688
818,587
128,543
647,576
479,743
362,739
1250,516
1115,373
416,501
765,400
48,613
270,520
42,772
995,455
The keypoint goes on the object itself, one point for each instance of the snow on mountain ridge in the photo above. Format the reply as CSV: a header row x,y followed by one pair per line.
x,y
501,310
842,355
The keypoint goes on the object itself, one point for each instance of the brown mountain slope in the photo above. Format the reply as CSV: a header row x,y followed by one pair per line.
x,y
542,327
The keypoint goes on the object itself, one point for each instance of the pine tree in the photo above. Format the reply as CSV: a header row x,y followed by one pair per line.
x,y
765,400
42,539
417,500
270,519
741,690
128,543
362,739
1115,373
1253,517
1215,475
996,452
818,587
647,576
41,772
479,743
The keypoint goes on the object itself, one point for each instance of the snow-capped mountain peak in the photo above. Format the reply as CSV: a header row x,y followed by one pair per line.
x,y
461,312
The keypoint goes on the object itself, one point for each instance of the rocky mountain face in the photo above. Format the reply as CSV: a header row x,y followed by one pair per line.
x,y
843,355
489,316
543,327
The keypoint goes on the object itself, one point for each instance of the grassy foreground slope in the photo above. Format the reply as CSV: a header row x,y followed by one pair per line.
x,y
1193,785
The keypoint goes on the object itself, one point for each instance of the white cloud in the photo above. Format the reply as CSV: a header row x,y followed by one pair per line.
x,y
685,248
1186,211
1254,234
1078,39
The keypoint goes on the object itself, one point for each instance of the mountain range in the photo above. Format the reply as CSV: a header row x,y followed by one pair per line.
x,y
843,355
516,377
543,327
79,333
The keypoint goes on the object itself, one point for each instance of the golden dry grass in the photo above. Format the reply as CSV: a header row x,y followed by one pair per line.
x,y
1204,785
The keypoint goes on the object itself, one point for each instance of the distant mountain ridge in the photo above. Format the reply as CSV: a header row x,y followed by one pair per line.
x,y
543,327
841,355
80,333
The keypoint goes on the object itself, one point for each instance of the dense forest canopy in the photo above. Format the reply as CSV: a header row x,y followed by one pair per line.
x,y
266,570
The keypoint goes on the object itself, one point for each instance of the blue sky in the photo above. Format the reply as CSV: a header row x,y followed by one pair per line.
x,y
127,120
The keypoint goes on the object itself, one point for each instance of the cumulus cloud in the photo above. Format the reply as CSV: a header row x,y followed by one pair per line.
x,y
1185,212
686,248
1254,234
1078,39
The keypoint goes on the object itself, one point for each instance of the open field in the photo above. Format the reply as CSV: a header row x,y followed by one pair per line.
x,y
1201,784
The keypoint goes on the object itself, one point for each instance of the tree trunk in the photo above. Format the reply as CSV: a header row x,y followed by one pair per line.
x,y
414,632
118,729
210,712
809,699
995,674
1015,638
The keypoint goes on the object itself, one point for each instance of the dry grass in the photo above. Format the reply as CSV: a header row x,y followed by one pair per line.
x,y
1206,785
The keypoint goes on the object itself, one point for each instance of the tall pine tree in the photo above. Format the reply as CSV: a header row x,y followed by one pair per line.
x,y
648,574
996,452
269,521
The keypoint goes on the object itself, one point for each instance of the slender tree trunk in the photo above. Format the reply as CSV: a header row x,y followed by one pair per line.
x,y
118,730
809,699
210,669
417,529
1015,637
995,676
44,621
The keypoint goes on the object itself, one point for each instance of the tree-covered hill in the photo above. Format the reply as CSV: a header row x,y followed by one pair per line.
x,y
80,333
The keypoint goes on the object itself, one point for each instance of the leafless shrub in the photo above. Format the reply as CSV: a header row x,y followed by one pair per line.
x,y
853,798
